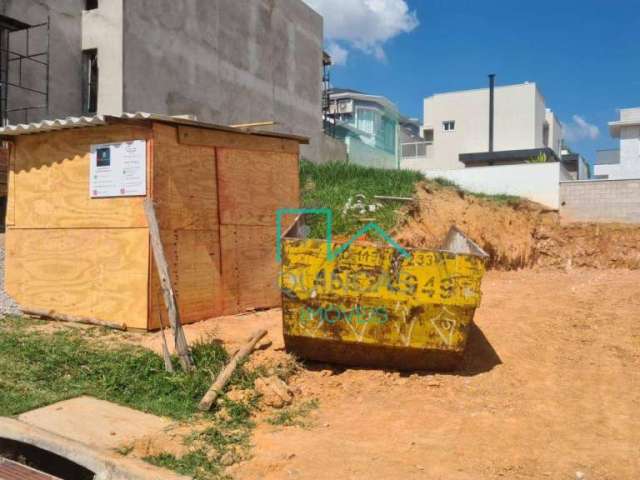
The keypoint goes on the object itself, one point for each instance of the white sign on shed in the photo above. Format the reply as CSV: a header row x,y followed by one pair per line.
x,y
118,169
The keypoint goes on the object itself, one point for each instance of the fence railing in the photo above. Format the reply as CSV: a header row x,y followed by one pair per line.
x,y
416,149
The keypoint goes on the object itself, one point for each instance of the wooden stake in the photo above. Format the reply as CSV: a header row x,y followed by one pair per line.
x,y
168,366
224,376
53,315
182,348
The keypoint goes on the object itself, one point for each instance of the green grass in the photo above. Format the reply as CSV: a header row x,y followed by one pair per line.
x,y
231,436
498,198
295,415
38,368
196,464
330,186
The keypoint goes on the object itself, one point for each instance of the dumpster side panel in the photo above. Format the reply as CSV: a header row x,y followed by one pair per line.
x,y
371,295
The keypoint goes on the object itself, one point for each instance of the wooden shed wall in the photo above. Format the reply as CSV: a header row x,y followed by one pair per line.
x,y
65,251
184,190
216,195
252,186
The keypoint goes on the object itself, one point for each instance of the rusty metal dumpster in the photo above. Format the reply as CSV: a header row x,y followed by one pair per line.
x,y
378,306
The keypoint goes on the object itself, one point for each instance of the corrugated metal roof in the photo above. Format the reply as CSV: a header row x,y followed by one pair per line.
x,y
98,120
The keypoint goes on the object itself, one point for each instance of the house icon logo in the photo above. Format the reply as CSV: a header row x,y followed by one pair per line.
x,y
331,254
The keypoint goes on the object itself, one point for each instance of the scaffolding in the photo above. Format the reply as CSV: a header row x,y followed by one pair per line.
x,y
328,124
16,71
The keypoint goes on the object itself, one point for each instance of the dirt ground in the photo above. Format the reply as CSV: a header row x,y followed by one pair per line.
x,y
551,389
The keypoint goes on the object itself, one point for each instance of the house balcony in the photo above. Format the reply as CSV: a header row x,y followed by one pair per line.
x,y
414,155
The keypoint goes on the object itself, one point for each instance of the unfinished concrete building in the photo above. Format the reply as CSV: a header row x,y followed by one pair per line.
x,y
224,61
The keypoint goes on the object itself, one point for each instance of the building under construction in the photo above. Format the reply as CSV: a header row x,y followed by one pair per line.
x,y
226,62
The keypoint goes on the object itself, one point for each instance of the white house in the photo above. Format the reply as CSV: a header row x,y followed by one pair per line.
x,y
625,162
458,125
496,140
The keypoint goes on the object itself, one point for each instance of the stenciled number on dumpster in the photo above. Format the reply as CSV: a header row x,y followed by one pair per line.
x,y
367,282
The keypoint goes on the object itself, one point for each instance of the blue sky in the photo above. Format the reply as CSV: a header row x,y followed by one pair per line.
x,y
584,55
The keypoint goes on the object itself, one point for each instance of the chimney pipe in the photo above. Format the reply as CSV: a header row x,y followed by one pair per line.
x,y
492,84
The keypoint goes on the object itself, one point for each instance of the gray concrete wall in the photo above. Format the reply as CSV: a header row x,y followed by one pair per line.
x,y
332,150
600,201
226,61
66,55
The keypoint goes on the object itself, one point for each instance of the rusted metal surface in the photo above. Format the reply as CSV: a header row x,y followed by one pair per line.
x,y
374,306
10,470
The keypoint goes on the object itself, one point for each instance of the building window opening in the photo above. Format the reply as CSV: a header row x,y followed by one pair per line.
x,y
90,81
90,4
449,125
428,135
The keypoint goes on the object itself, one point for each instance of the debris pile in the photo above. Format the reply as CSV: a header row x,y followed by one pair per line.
x,y
516,233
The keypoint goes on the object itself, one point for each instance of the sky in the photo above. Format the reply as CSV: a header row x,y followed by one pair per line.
x,y
584,55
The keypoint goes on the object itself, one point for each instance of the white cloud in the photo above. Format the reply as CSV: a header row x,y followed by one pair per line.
x,y
338,54
580,129
363,24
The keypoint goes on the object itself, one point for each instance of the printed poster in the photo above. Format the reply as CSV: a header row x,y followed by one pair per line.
x,y
118,169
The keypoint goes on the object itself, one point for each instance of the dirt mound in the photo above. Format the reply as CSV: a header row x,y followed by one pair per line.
x,y
516,234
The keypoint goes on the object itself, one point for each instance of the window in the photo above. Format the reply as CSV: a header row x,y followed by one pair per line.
x,y
368,120
90,4
449,125
89,82
428,135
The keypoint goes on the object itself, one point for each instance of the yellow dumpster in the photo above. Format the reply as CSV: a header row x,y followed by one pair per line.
x,y
380,305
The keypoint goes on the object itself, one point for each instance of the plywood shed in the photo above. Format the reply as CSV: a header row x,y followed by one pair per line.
x,y
216,191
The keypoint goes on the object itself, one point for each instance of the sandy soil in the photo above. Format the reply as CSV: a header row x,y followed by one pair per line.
x,y
551,388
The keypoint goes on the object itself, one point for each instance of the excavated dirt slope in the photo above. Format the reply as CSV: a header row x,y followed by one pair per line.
x,y
517,234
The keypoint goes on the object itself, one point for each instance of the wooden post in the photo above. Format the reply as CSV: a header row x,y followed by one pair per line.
x,y
225,374
168,366
53,315
182,348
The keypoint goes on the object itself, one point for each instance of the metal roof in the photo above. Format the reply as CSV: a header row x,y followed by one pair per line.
x,y
100,120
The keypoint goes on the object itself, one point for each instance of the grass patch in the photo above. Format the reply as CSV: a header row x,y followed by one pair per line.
x,y
42,368
331,185
196,464
38,368
295,415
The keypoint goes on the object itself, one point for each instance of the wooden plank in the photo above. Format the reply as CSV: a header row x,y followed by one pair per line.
x,y
184,183
10,217
53,315
4,170
195,272
245,141
181,346
253,185
199,287
225,375
156,301
51,174
229,269
95,273
249,268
